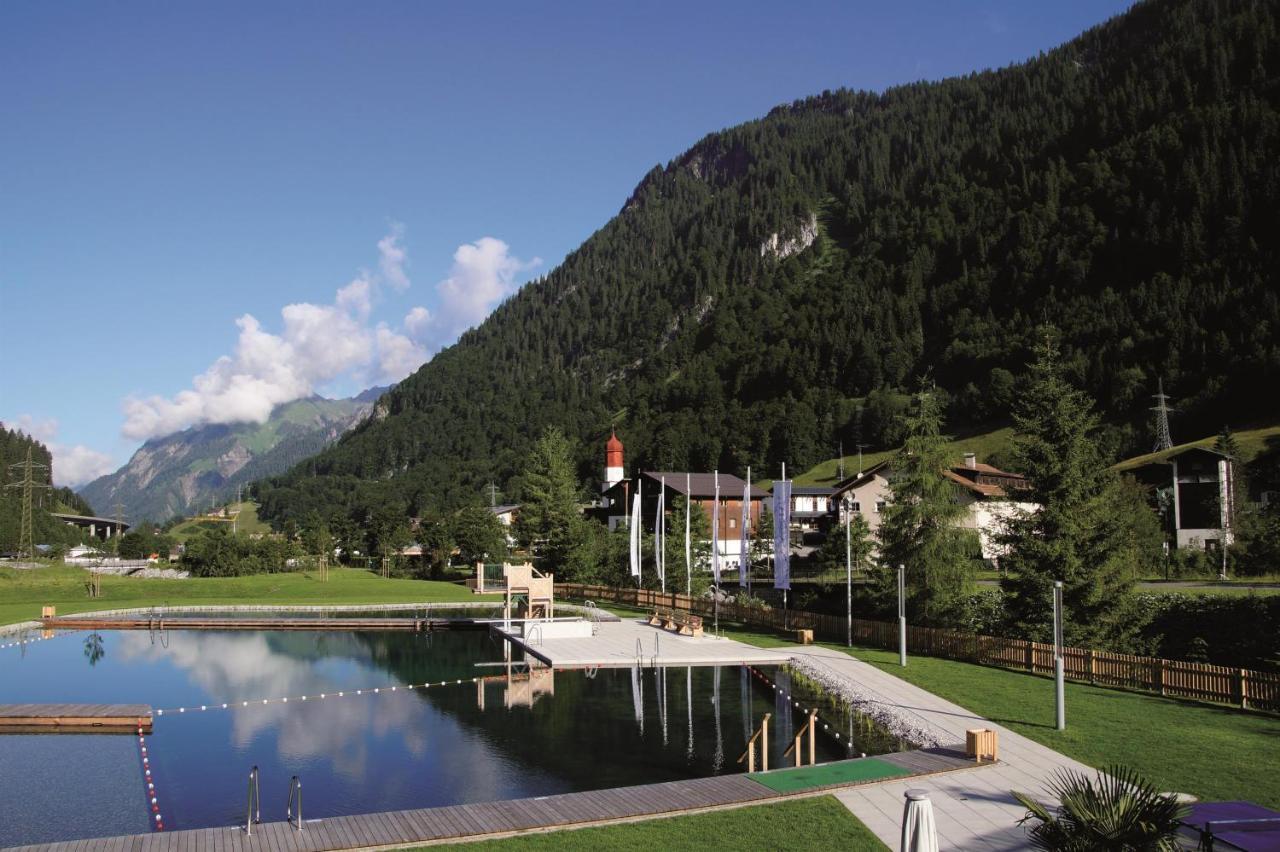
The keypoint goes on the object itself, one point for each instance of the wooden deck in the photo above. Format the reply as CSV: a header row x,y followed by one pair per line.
x,y
489,819
414,625
74,718
622,643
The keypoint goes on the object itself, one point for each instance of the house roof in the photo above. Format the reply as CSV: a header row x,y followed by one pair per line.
x,y
980,488
860,478
812,490
704,484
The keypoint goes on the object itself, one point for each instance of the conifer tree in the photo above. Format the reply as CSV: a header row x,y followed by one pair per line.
x,y
549,510
1072,536
920,527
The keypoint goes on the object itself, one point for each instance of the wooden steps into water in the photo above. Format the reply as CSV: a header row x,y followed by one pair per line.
x,y
491,819
411,625
74,718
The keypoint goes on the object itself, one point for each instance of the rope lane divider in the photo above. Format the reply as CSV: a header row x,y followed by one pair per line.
x,y
153,800
258,702
796,704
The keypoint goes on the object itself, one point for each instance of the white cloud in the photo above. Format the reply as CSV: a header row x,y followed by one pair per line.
x,y
316,344
483,274
417,321
398,356
73,466
321,343
392,258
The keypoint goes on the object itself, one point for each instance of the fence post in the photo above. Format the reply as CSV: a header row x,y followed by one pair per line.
x,y
1031,656
1160,675
1092,667
1243,678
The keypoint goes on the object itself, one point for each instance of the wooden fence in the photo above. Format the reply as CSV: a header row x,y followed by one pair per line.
x,y
1250,690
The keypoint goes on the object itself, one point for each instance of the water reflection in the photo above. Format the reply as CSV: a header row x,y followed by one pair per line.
x,y
94,650
550,732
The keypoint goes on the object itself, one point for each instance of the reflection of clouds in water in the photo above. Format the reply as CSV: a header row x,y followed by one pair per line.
x,y
243,667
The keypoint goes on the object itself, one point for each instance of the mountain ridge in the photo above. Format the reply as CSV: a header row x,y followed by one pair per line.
x,y
183,472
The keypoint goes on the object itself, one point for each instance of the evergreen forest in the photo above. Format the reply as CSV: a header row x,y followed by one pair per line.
x,y
770,293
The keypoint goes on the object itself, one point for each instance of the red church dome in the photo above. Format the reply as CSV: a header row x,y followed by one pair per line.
x,y
613,451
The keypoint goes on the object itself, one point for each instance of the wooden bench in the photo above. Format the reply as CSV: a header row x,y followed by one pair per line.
x,y
980,743
684,623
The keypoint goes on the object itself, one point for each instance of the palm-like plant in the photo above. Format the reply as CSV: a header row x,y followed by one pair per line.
x,y
1117,810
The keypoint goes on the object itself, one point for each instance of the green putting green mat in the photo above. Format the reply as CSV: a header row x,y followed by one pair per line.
x,y
826,774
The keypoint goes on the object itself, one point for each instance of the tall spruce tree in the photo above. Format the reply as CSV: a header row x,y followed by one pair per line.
x,y
547,521
920,528
1072,536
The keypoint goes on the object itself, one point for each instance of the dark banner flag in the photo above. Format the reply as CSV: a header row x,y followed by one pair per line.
x,y
782,534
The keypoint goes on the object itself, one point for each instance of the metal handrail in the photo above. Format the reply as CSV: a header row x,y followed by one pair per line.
x,y
295,785
535,628
253,810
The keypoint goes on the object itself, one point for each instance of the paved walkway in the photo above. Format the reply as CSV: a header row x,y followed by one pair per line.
x,y
973,808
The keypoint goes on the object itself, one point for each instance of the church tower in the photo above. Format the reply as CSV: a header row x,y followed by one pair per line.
x,y
612,461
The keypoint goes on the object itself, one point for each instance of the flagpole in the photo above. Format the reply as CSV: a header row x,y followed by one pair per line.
x,y
715,552
658,554
745,561
688,551
775,558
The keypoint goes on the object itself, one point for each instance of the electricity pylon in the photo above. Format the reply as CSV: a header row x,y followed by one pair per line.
x,y
28,484
1164,441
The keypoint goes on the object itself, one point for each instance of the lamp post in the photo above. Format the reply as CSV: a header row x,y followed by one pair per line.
x,y
902,616
1059,696
848,571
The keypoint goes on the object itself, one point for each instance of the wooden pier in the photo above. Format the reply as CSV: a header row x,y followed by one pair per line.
x,y
74,718
410,625
500,819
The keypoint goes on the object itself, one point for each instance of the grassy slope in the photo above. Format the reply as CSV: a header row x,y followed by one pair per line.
x,y
1251,441
22,593
815,823
246,523
984,444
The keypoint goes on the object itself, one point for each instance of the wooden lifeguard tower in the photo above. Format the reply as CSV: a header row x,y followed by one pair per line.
x,y
528,593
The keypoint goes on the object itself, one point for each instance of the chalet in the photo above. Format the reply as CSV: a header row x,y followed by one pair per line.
x,y
812,507
989,494
1203,483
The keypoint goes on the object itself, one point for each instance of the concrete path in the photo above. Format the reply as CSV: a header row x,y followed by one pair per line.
x,y
973,809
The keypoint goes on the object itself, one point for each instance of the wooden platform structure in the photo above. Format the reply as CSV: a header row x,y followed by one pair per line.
x,y
412,625
494,819
74,718
628,642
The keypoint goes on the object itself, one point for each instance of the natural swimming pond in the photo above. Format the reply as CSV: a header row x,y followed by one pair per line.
x,y
512,734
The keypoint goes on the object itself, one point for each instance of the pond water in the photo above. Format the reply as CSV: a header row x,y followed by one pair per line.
x,y
513,734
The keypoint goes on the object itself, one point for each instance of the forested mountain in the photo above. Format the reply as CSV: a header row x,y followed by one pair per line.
x,y
759,291
186,471
14,445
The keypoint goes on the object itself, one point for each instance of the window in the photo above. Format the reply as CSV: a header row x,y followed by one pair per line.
x,y
857,507
880,504
733,522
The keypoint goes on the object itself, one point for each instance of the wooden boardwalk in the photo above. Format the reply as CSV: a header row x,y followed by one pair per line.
x,y
74,718
414,625
488,819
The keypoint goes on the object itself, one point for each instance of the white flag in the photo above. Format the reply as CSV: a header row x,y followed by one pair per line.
x,y
635,534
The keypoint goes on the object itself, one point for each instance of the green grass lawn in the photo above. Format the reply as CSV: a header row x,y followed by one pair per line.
x,y
24,592
803,824
246,522
1216,753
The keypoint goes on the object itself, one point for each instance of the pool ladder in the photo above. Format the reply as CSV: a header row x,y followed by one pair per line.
x,y
253,807
295,786
253,810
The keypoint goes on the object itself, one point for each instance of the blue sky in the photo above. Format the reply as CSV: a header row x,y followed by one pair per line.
x,y
173,175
